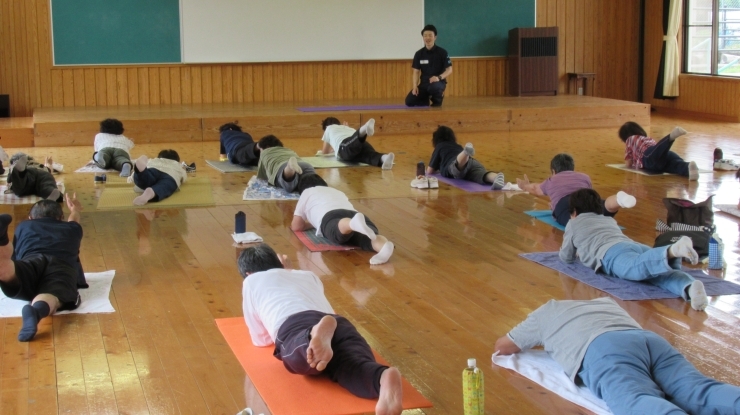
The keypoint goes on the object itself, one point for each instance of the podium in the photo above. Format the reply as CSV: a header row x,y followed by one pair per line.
x,y
533,61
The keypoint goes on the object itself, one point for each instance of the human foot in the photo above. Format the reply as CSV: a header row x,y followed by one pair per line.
x,y
20,164
383,255
358,224
498,182
693,171
319,351
145,197
677,132
368,129
294,166
141,163
126,170
684,248
625,200
387,161
698,296
469,150
54,195
390,401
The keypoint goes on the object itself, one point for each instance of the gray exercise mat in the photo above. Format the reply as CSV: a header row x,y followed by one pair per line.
x,y
623,289
330,162
228,167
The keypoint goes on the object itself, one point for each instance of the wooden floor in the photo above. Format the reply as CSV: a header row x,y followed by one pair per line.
x,y
454,284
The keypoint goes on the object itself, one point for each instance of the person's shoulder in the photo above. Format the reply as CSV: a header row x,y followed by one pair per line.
x,y
440,50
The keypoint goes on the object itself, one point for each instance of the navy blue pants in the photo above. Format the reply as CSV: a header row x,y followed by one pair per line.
x,y
660,158
434,91
353,365
357,149
162,183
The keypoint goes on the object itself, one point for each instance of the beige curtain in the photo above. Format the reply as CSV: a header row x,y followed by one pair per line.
x,y
672,58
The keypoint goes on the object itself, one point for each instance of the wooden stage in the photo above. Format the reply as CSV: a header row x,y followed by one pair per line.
x,y
199,122
453,286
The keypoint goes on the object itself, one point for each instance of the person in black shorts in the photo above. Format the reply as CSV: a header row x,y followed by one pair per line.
x,y
432,66
237,146
41,270
28,178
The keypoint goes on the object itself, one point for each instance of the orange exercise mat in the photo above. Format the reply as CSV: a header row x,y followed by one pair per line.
x,y
289,394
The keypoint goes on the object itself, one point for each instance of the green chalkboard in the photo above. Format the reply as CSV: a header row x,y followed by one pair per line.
x,y
115,32
477,27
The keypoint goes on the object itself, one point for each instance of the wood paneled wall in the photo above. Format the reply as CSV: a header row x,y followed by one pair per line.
x,y
596,36
717,97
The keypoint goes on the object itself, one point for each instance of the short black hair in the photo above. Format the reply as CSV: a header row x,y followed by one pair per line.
x,y
46,209
429,27
562,162
443,134
269,141
309,180
585,201
169,154
234,126
629,129
111,126
329,121
258,258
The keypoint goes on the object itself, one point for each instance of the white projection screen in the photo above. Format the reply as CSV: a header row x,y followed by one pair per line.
x,y
215,31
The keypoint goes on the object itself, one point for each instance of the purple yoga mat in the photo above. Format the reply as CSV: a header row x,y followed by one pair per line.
x,y
355,107
464,184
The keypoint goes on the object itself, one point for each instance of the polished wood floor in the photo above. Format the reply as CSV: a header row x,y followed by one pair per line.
x,y
454,285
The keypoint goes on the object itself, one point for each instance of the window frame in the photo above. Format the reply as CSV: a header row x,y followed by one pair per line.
x,y
714,64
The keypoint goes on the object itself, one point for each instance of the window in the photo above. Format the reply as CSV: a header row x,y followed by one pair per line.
x,y
712,37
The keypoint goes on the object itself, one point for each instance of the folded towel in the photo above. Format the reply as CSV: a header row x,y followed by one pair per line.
x,y
246,237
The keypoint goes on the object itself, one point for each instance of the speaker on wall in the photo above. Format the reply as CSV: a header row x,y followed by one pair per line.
x,y
4,106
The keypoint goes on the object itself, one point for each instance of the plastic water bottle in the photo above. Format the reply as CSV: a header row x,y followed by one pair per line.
x,y
473,390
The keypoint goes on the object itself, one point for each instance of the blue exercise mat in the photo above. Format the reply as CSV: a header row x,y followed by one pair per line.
x,y
546,216
624,289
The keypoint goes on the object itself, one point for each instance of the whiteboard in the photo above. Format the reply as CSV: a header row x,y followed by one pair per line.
x,y
215,31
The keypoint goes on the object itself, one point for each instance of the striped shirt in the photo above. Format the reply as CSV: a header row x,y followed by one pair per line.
x,y
635,149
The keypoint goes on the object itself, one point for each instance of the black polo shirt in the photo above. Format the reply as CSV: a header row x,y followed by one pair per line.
x,y
431,62
445,153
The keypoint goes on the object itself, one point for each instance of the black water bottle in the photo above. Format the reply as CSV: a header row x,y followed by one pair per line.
x,y
240,220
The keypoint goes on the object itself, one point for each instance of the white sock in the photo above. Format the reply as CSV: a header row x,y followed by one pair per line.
x,y
384,255
677,132
469,150
145,197
698,296
141,163
358,224
626,200
369,128
693,171
293,165
684,248
387,160
54,195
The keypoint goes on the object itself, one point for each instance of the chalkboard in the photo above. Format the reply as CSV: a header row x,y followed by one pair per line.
x,y
477,27
115,32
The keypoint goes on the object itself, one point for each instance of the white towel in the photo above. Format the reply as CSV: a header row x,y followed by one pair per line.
x,y
94,299
538,366
512,187
246,237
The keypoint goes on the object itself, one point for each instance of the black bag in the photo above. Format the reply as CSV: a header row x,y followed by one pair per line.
x,y
699,239
689,213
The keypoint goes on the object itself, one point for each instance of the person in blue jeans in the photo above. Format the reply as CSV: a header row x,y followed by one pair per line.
x,y
236,146
634,371
600,245
159,177
642,152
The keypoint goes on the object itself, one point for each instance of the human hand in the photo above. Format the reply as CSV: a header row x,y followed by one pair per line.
x,y
73,204
522,182
287,263
415,91
434,79
345,123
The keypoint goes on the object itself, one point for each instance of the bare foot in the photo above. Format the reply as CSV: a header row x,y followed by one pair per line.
x,y
391,393
319,351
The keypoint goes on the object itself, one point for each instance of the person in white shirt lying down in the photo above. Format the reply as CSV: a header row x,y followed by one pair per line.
x,y
287,308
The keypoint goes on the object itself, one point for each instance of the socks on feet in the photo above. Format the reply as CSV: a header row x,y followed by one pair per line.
x,y
684,248
625,200
54,195
698,296
5,220
383,255
32,314
387,160
369,128
145,197
498,182
693,171
20,164
358,224
293,165
677,132
469,150
140,163
125,170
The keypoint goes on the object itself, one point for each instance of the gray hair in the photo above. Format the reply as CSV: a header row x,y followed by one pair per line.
x,y
562,162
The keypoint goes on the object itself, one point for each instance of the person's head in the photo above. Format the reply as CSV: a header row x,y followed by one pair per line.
x,y
585,201
629,129
169,154
269,141
230,126
46,209
562,162
443,134
257,258
309,180
429,34
111,126
329,121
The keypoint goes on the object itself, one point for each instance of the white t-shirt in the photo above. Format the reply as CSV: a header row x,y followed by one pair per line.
x,y
335,134
270,297
315,202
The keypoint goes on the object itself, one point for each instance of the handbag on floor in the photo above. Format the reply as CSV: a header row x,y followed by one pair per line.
x,y
689,213
716,251
699,239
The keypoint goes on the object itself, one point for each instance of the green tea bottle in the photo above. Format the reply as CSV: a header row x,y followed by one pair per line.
x,y
473,390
